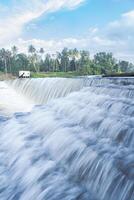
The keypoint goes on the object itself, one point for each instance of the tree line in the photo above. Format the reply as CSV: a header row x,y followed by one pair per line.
x,y
11,61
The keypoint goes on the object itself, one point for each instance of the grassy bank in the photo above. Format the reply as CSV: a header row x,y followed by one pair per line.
x,y
69,74
55,74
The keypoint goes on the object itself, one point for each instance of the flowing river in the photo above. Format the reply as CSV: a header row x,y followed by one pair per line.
x,y
67,139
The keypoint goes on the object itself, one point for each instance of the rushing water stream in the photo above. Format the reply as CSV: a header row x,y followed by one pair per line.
x,y
75,143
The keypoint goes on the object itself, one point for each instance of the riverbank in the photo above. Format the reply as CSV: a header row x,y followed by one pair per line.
x,y
4,76
55,74
74,74
69,74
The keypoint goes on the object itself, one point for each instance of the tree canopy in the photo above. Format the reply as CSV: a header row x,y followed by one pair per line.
x,y
67,60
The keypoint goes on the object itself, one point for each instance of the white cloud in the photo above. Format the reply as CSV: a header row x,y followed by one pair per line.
x,y
13,19
124,27
94,44
116,36
121,34
51,46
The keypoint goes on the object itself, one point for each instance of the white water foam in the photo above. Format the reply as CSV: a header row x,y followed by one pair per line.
x,y
11,101
78,147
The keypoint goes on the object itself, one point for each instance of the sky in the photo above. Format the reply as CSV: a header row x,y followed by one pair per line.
x,y
94,25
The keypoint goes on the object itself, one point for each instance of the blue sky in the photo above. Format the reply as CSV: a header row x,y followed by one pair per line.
x,y
75,23
95,25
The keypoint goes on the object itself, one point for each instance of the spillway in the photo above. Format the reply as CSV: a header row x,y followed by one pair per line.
x,y
43,90
76,143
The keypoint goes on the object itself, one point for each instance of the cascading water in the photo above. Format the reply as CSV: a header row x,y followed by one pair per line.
x,y
78,147
43,90
11,101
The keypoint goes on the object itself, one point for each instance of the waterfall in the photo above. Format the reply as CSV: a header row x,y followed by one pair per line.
x,y
76,147
42,90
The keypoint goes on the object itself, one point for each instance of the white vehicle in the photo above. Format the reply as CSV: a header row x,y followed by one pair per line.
x,y
24,74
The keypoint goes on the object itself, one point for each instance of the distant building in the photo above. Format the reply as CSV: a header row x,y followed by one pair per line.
x,y
24,74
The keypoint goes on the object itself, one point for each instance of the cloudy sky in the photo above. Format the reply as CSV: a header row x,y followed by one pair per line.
x,y
94,25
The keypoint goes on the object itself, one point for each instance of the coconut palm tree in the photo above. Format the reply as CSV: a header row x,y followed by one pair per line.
x,y
33,57
14,50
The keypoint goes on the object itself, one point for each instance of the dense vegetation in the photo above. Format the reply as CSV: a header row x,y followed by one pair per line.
x,y
69,60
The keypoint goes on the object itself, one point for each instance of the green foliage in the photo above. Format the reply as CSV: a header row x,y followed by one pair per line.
x,y
68,62
69,74
105,62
